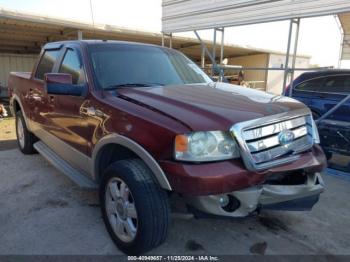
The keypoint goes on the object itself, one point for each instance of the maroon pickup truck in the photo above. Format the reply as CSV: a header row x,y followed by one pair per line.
x,y
141,122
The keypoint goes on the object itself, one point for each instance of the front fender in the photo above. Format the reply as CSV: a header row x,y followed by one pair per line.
x,y
134,147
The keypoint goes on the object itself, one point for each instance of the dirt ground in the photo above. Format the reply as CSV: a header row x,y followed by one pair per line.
x,y
43,212
7,134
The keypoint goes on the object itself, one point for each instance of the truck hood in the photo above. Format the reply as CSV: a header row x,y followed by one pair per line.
x,y
214,106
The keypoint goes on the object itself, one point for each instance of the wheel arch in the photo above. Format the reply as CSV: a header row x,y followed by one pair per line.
x,y
17,106
131,147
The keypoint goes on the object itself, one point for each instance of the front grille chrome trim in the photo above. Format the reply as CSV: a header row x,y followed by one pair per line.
x,y
258,138
273,140
262,131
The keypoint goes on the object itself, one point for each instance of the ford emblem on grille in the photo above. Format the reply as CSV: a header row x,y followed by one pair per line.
x,y
286,137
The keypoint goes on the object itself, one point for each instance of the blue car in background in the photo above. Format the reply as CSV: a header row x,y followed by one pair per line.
x,y
321,91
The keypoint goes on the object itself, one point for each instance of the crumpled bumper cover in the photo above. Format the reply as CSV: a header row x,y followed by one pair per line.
x,y
265,196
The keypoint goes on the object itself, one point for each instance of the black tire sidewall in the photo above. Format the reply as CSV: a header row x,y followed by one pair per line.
x,y
108,176
27,148
19,117
139,193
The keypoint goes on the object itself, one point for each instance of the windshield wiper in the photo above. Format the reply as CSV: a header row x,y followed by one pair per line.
x,y
113,87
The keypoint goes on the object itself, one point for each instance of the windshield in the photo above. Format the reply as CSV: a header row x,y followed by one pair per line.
x,y
131,65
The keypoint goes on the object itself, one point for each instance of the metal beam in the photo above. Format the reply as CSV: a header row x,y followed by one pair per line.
x,y
20,37
287,54
26,29
20,43
69,31
209,55
26,33
187,45
80,35
296,40
214,51
170,39
222,45
16,49
202,57
332,110
341,40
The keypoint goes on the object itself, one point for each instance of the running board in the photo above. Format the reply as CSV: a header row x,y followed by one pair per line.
x,y
73,174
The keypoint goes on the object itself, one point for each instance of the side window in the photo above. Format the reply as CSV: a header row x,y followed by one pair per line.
x,y
46,63
71,64
311,85
337,84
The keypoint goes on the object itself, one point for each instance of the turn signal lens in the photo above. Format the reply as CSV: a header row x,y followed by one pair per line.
x,y
181,143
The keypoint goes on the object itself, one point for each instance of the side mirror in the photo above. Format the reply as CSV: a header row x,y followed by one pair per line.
x,y
62,84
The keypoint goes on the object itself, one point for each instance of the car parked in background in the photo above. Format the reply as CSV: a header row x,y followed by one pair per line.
x,y
321,91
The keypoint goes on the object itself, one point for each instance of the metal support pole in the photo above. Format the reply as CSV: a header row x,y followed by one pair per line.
x,y
80,35
208,54
214,51
340,58
163,39
331,111
341,40
297,22
222,45
202,58
287,55
171,40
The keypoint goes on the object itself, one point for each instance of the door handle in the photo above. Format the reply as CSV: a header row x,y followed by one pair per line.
x,y
51,99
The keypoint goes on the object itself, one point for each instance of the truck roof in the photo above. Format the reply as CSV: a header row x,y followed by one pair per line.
x,y
53,45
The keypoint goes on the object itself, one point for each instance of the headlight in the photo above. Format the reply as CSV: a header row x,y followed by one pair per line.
x,y
205,146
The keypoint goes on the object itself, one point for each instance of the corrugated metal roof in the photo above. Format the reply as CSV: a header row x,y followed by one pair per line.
x,y
345,23
26,33
188,15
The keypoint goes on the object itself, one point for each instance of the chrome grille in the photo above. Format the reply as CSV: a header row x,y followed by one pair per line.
x,y
259,140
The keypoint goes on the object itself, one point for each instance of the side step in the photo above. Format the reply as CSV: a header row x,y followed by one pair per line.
x,y
73,174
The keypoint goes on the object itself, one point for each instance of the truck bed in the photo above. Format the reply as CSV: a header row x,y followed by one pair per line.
x,y
25,75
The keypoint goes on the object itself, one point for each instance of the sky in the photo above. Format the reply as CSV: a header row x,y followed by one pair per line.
x,y
318,37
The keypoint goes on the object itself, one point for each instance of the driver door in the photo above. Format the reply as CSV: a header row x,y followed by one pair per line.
x,y
67,122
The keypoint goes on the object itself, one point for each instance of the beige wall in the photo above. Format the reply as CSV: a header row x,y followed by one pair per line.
x,y
275,78
253,61
14,62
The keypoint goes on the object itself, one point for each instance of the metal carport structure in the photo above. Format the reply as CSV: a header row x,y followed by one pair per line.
x,y
23,34
192,15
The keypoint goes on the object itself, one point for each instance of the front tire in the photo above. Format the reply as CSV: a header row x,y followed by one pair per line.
x,y
134,208
25,138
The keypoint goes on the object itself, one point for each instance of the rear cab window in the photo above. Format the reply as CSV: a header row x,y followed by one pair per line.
x,y
46,63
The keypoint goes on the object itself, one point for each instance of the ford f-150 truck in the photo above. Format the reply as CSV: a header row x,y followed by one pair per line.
x,y
142,122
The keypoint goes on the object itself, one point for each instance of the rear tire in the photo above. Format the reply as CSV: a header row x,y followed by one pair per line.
x,y
25,138
135,209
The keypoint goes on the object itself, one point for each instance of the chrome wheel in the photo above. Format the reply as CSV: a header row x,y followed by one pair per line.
x,y
121,210
20,132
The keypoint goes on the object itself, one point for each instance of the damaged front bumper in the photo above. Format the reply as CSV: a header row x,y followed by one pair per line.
x,y
270,195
